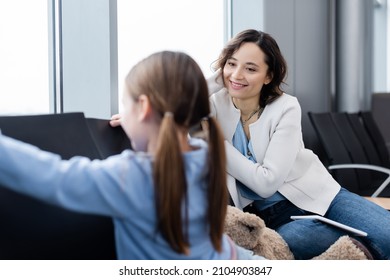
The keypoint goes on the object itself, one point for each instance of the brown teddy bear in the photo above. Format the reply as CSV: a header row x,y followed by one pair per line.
x,y
249,231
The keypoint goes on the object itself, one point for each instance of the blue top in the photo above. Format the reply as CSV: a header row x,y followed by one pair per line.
x,y
121,187
244,146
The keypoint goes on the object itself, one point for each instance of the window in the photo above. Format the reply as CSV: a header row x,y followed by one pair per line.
x,y
195,27
24,67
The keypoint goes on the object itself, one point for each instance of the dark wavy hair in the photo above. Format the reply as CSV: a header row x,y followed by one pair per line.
x,y
277,66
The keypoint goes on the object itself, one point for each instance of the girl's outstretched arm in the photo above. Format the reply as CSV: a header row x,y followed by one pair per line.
x,y
97,187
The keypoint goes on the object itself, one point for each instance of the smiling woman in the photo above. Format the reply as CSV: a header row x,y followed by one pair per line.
x,y
270,171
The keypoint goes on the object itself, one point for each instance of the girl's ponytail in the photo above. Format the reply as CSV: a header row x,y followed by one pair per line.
x,y
171,186
218,193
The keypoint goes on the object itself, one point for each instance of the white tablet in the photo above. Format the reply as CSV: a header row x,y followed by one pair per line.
x,y
331,222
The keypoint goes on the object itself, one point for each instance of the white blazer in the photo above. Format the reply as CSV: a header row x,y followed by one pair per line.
x,y
283,163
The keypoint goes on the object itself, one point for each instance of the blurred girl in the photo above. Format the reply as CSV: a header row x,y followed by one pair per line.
x,y
167,198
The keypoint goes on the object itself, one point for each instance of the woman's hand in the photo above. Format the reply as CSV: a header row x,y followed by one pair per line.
x,y
115,120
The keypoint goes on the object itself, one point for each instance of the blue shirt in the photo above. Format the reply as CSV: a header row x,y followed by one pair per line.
x,y
242,144
120,187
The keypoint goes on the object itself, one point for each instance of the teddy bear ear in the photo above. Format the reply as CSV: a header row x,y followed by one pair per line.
x,y
251,221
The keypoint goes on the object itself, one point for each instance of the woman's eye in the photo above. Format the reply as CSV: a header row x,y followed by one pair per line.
x,y
251,69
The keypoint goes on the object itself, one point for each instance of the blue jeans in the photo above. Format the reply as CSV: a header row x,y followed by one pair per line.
x,y
310,238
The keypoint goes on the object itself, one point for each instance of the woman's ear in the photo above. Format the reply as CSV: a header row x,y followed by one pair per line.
x,y
144,107
268,79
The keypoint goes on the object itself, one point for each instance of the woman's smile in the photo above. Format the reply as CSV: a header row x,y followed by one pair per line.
x,y
236,86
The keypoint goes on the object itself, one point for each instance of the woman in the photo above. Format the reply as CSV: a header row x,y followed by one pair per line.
x,y
269,170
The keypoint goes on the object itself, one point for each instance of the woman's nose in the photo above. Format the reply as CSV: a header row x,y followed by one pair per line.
x,y
237,73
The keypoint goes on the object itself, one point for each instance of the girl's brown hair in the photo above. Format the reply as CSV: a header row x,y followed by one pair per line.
x,y
178,93
277,66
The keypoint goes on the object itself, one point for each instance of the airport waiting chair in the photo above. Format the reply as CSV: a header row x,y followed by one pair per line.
x,y
369,147
32,229
376,137
109,140
346,154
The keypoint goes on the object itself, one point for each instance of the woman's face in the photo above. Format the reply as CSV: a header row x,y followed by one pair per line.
x,y
245,72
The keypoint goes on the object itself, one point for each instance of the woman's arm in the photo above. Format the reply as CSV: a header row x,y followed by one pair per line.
x,y
214,83
266,177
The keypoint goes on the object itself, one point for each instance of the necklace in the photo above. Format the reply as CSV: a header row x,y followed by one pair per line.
x,y
251,115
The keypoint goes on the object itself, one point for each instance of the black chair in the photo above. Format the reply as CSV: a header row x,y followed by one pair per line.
x,y
32,229
372,154
109,140
376,137
347,155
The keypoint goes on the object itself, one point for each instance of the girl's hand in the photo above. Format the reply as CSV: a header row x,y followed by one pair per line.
x,y
115,120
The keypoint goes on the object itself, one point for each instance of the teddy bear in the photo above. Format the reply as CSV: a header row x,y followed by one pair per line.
x,y
249,231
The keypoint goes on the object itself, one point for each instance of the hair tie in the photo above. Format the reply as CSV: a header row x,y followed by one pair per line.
x,y
168,114
206,118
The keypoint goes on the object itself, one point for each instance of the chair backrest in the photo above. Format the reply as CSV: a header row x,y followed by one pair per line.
x,y
64,134
365,139
354,147
380,104
109,140
334,148
376,137
31,229
345,140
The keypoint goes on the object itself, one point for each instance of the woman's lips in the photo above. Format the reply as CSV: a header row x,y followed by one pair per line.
x,y
236,86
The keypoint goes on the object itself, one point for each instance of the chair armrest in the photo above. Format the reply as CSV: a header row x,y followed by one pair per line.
x,y
369,167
